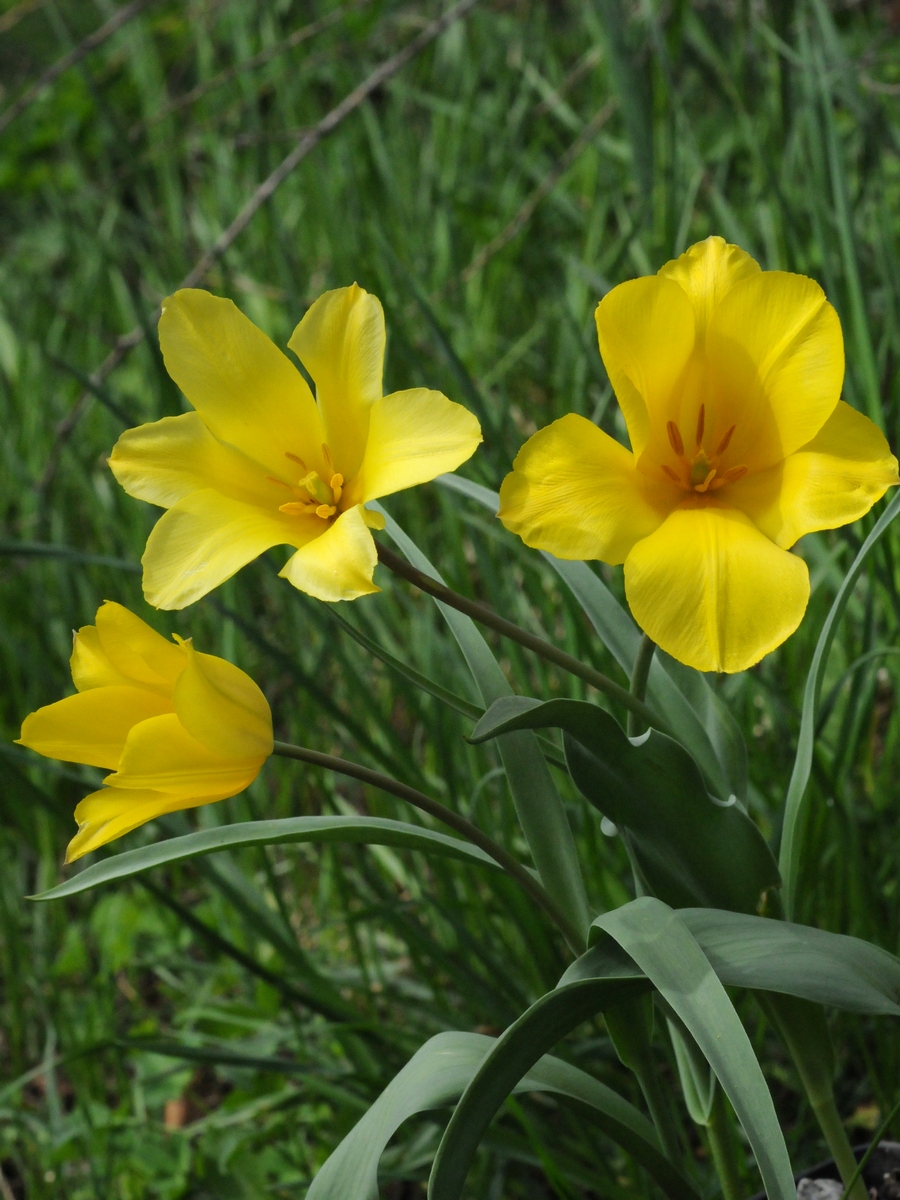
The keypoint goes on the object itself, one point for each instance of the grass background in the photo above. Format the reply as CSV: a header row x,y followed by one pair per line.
x,y
214,1031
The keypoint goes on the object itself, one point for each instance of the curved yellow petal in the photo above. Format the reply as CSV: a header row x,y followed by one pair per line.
x,y
341,342
713,591
221,706
829,482
136,650
706,271
647,335
164,461
112,812
91,727
248,393
205,538
414,436
90,664
575,492
161,755
775,356
339,564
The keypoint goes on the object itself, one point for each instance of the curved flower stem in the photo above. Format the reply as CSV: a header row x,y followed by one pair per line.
x,y
639,675
447,816
487,616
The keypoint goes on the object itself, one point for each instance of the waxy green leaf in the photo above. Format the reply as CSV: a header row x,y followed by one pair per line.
x,y
375,831
688,848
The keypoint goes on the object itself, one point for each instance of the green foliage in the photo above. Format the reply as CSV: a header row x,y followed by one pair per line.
x,y
145,1031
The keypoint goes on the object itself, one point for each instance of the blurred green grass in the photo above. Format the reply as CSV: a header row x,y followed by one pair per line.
x,y
475,197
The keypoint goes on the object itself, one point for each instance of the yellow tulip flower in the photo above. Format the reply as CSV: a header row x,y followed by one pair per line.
x,y
729,380
176,727
260,463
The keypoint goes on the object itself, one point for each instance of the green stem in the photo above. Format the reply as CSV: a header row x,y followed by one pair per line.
x,y
639,675
721,1145
630,1026
481,612
873,1146
447,816
803,1030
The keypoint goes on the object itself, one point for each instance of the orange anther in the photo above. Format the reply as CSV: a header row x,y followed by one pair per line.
x,y
723,445
675,438
701,422
280,482
296,459
734,473
671,474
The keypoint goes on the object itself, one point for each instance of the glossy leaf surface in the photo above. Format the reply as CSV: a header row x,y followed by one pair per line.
x,y
690,849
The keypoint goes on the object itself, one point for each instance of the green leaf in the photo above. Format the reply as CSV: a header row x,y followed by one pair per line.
x,y
813,964
538,804
689,848
437,1075
375,831
662,945
513,1058
776,956
698,717
794,827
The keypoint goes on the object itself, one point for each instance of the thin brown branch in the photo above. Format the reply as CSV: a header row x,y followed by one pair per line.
x,y
250,64
14,15
309,140
74,56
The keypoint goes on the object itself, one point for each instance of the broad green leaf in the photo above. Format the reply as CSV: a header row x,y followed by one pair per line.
x,y
702,723
662,945
794,827
776,956
437,1075
513,1058
375,831
538,803
813,964
689,848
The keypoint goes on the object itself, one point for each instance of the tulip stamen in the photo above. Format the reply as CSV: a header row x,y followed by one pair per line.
x,y
671,474
675,438
280,482
723,445
295,458
701,423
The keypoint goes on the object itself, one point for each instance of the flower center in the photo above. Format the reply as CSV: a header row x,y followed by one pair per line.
x,y
314,497
702,471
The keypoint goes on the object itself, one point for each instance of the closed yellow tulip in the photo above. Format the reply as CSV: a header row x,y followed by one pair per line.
x,y
176,727
729,379
261,463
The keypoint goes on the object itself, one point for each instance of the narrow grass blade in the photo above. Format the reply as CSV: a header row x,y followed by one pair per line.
x,y
793,829
538,803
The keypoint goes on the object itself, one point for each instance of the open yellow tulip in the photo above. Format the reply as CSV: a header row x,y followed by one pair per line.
x,y
729,379
178,728
261,463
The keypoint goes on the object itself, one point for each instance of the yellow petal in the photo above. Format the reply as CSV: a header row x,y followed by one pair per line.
x,y
706,272
829,482
775,355
414,436
205,538
248,393
647,336
339,564
136,650
91,727
713,591
340,341
575,492
112,812
221,706
166,460
90,665
161,755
